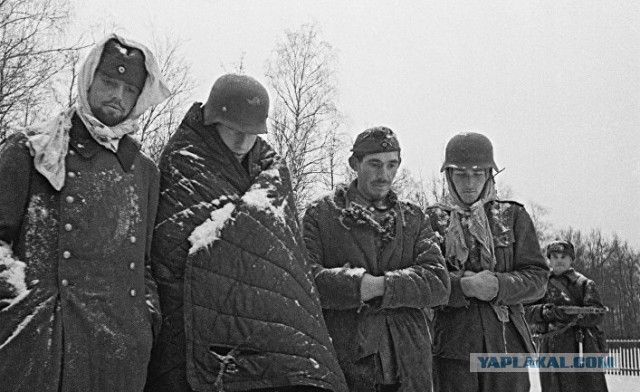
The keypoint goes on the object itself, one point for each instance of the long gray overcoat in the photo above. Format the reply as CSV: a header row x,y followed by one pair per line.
x,y
85,323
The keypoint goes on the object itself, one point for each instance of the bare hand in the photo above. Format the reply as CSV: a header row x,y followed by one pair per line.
x,y
484,285
371,287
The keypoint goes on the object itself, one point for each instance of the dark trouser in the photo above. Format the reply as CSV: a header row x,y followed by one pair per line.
x,y
573,382
388,388
453,375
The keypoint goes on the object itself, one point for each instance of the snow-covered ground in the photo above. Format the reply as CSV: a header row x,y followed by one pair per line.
x,y
614,383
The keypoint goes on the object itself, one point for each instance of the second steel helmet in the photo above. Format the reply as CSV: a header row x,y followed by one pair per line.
x,y
239,102
469,150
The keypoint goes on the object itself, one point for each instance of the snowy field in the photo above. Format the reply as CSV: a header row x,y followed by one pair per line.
x,y
614,383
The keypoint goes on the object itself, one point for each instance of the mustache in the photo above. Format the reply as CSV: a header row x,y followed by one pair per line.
x,y
113,103
381,183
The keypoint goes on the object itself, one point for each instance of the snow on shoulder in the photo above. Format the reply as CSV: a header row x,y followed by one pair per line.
x,y
12,278
189,154
260,200
257,197
209,231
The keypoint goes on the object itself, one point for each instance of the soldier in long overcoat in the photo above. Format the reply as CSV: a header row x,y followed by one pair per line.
x,y
77,207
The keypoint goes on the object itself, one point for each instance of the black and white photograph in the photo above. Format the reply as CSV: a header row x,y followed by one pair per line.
x,y
319,196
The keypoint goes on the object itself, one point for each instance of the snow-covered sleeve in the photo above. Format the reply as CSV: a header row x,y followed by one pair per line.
x,y
426,283
527,281
339,288
15,172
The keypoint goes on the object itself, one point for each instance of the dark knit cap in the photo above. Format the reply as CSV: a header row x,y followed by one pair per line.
x,y
123,63
562,247
375,140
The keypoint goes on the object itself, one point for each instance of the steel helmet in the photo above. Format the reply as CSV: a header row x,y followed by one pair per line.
x,y
469,150
239,102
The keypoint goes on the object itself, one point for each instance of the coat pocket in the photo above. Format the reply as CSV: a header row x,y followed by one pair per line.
x,y
503,246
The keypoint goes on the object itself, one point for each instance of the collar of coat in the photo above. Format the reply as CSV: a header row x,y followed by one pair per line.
x,y
82,143
341,200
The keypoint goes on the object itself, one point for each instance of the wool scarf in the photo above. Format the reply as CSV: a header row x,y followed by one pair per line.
x,y
475,218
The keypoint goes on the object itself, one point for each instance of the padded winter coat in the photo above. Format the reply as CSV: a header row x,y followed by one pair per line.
x,y
241,308
343,246
86,322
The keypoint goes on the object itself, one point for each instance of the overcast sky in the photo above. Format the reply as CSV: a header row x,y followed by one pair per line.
x,y
554,84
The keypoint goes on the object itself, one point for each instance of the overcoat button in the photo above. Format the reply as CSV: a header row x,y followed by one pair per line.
x,y
66,254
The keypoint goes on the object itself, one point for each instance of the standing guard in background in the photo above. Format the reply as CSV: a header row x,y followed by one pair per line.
x,y
377,269
495,265
78,305
565,329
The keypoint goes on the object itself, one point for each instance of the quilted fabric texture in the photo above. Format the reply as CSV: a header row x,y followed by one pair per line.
x,y
240,306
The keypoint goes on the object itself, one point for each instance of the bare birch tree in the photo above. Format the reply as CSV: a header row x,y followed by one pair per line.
x,y
160,122
304,121
422,191
29,58
544,230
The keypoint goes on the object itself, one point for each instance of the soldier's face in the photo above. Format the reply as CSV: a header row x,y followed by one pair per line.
x,y
559,263
111,100
376,173
469,183
238,142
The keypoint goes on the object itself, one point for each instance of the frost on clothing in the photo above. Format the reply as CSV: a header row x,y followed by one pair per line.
x,y
13,287
256,197
344,242
74,311
233,277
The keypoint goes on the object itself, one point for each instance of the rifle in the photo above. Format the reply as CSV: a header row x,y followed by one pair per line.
x,y
583,310
579,311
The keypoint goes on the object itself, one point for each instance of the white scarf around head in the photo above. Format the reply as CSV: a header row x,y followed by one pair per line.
x,y
49,141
